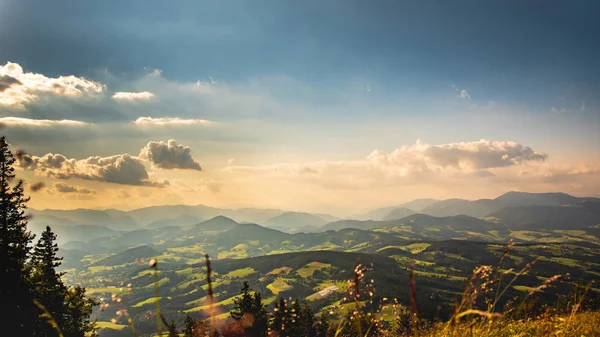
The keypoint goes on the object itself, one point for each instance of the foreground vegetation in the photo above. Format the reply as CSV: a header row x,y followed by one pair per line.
x,y
34,301
361,313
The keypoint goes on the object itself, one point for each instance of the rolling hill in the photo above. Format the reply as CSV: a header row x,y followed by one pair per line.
x,y
483,207
128,256
398,213
292,220
546,217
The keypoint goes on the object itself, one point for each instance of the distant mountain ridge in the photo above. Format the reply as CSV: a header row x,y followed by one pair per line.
x,y
103,223
483,207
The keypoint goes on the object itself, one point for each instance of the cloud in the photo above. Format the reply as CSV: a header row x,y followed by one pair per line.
x,y
465,95
17,121
120,169
66,188
171,121
132,96
18,88
230,161
582,107
482,154
561,110
7,81
123,194
416,163
169,155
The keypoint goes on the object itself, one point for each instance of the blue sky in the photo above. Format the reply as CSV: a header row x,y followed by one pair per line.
x,y
307,81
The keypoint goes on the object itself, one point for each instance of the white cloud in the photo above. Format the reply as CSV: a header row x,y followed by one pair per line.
x,y
465,95
230,161
133,96
120,169
169,155
419,162
17,121
171,121
582,107
18,88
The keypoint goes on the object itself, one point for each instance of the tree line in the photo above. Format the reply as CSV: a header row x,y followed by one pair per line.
x,y
33,299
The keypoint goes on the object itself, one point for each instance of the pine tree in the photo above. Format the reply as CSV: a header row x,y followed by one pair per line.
x,y
306,321
281,319
16,302
189,323
79,309
69,308
322,326
48,288
250,314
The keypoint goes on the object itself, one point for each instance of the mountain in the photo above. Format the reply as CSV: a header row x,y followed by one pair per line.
x,y
218,223
416,206
513,199
447,223
358,224
248,233
128,256
114,219
547,217
398,213
482,207
147,215
292,220
476,208
182,220
73,233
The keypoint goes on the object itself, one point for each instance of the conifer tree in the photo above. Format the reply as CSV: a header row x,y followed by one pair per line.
x,y
189,323
16,302
48,288
250,314
281,319
322,326
78,311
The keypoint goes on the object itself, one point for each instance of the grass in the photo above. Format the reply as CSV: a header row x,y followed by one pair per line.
x,y
110,325
311,267
239,273
416,248
281,270
112,290
279,285
151,300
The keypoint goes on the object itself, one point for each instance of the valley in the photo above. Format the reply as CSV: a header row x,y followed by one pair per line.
x,y
280,261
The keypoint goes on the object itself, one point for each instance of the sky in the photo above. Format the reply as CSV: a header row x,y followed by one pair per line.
x,y
321,106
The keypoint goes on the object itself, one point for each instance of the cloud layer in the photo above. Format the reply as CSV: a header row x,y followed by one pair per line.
x,y
171,121
133,96
169,155
18,87
28,122
417,163
66,188
120,169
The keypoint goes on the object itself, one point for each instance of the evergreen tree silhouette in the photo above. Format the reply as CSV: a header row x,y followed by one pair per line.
x,y
16,303
250,314
48,288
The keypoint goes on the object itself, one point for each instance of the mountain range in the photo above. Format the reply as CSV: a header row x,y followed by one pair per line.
x,y
524,210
